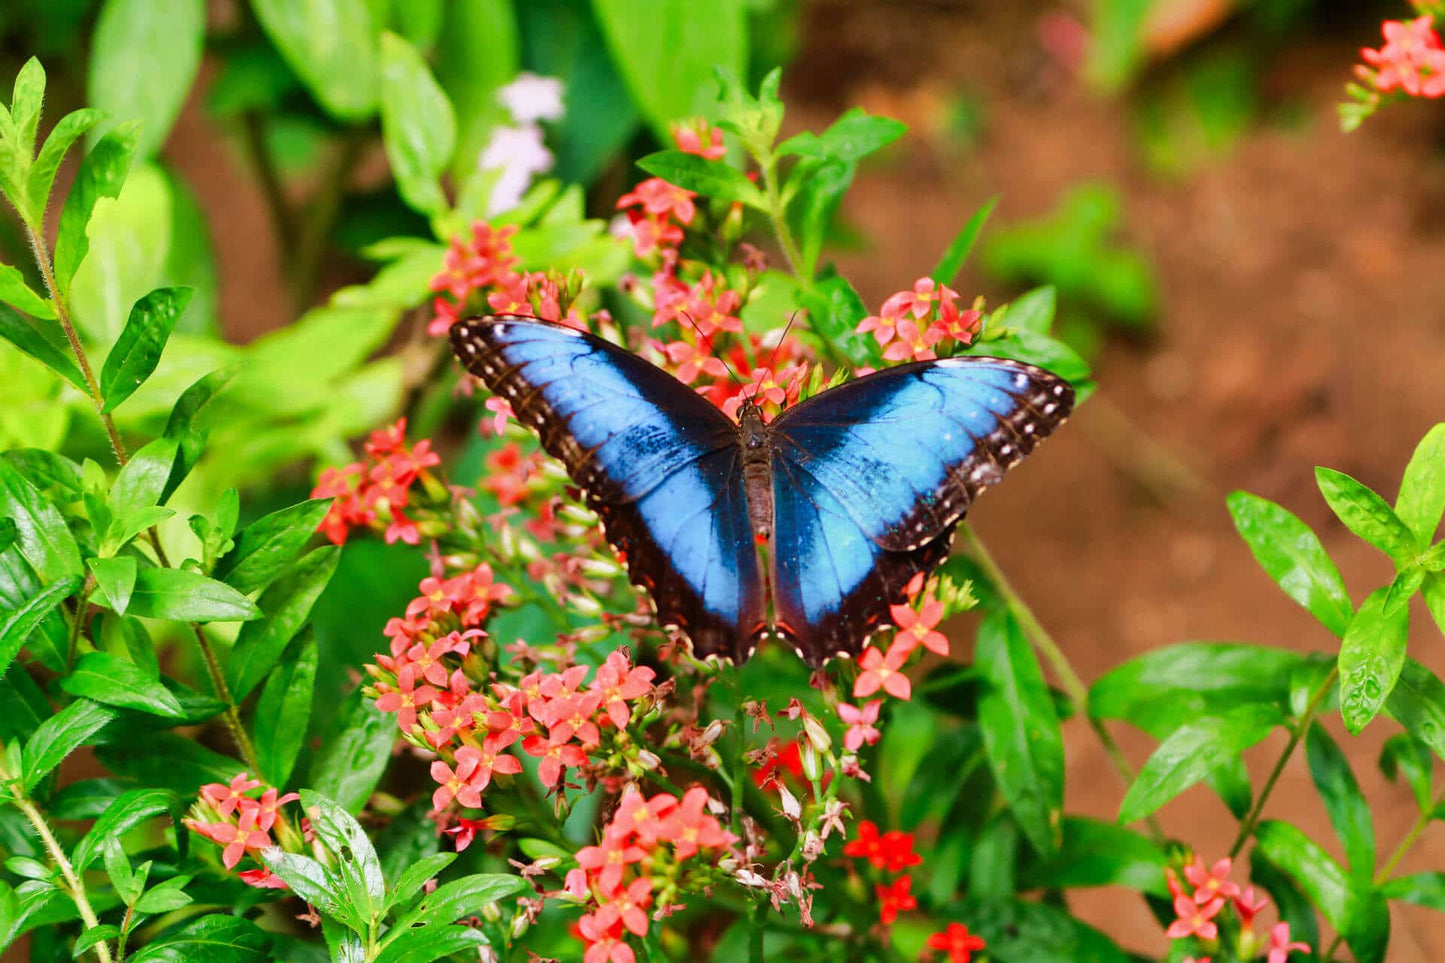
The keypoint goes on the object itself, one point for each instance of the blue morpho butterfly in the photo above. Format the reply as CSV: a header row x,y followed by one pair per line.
x,y
855,490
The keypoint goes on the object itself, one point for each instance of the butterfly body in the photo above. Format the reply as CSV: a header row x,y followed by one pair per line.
x,y
849,494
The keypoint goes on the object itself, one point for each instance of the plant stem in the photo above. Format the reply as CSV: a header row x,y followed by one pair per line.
x,y
1297,732
313,234
768,165
1421,823
73,883
282,218
1073,686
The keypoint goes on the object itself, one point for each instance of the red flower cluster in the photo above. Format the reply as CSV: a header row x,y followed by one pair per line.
x,y
483,267
240,824
631,864
1412,59
662,210
919,320
916,627
1208,891
959,943
372,493
893,852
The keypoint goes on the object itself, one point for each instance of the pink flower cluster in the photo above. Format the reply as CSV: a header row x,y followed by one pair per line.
x,y
916,627
240,824
1208,892
373,492
481,269
1412,59
911,324
644,850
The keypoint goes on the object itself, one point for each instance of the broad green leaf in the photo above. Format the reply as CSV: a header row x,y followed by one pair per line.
x,y
1224,671
1422,490
834,311
16,292
415,876
331,45
18,330
462,897
958,250
166,759
1343,800
47,162
143,58
1033,311
1116,42
140,483
25,105
17,624
182,423
114,681
115,577
60,735
285,607
138,349
356,866
1360,915
1418,703
8,534
1405,755
283,712
1096,853
435,942
1192,752
1028,346
1020,729
102,173
1371,657
165,896
266,547
41,534
849,139
710,178
128,811
1422,889
129,245
313,882
355,755
477,53
1367,515
213,938
186,596
666,53
418,127
1292,555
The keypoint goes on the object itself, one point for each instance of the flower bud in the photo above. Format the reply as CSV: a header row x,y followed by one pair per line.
x,y
791,808
817,735
711,733
519,926
584,605
812,762
600,567
491,912
577,514
648,760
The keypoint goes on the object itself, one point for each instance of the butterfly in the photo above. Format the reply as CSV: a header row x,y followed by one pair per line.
x,y
849,494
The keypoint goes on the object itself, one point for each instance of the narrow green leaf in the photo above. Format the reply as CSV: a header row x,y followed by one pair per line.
x,y
141,481
283,712
16,292
415,876
331,45
9,534
1343,800
60,735
138,349
710,178
18,330
816,206
1418,703
25,105
182,424
1405,755
1292,555
1367,515
1433,591
45,469
266,547
418,126
186,596
92,936
117,682
285,606
313,882
42,175
462,897
213,938
1191,753
102,174
166,759
436,942
958,250
356,863
1422,889
1224,672
1021,734
116,579
849,139
17,624
1406,582
1422,490
353,758
41,533
127,812
1371,657
143,58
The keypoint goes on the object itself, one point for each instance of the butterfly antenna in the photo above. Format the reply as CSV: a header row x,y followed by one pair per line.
x,y
704,338
773,359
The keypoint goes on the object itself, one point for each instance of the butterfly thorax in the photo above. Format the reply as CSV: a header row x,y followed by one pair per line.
x,y
757,449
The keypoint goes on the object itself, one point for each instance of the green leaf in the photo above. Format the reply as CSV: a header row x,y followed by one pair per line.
x,y
415,876
166,759
314,883
331,45
283,712
165,896
25,106
47,162
1367,515
143,58
17,329
1020,729
60,735
1418,703
1422,889
114,681
285,607
1404,585
1422,490
816,205
127,812
213,938
353,758
41,534
710,178
834,311
115,578
462,897
1224,672
138,349
1116,47
1022,931
1360,915
418,127
1405,755
1433,591
1343,800
434,942
182,423
1191,753
1292,555
666,53
356,864
186,596
140,483
102,174
849,139
266,547
1096,853
1371,657
1033,311
1021,344
958,250
17,624
14,290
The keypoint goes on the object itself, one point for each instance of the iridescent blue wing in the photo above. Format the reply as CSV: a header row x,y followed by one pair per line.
x,y
659,465
870,478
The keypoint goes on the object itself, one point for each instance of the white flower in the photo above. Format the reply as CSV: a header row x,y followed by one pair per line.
x,y
518,153
531,98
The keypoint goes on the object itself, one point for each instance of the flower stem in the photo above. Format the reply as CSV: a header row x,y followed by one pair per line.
x,y
768,165
1297,732
74,886
1409,841
1073,686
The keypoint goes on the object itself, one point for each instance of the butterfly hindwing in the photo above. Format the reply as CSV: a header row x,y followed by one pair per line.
x,y
658,464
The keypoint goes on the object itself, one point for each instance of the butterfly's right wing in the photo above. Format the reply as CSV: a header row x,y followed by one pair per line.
x,y
659,465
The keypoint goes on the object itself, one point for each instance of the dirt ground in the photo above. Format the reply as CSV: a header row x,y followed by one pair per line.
x,y
1301,325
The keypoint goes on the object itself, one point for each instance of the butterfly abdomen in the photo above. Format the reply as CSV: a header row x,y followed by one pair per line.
x,y
757,449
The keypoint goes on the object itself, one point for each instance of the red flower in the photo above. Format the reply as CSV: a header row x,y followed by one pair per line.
x,y
914,342
892,850
860,724
957,942
557,755
644,818
651,232
465,783
618,682
225,798
690,827
268,807
1280,946
917,627
237,837
261,879
628,905
711,307
657,196
513,296
1212,882
571,716
689,362
1411,59
502,409
895,898
1248,907
608,860
1194,919
883,672
405,699
696,137
605,942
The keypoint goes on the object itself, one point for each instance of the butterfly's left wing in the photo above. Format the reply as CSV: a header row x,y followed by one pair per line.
x,y
870,478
